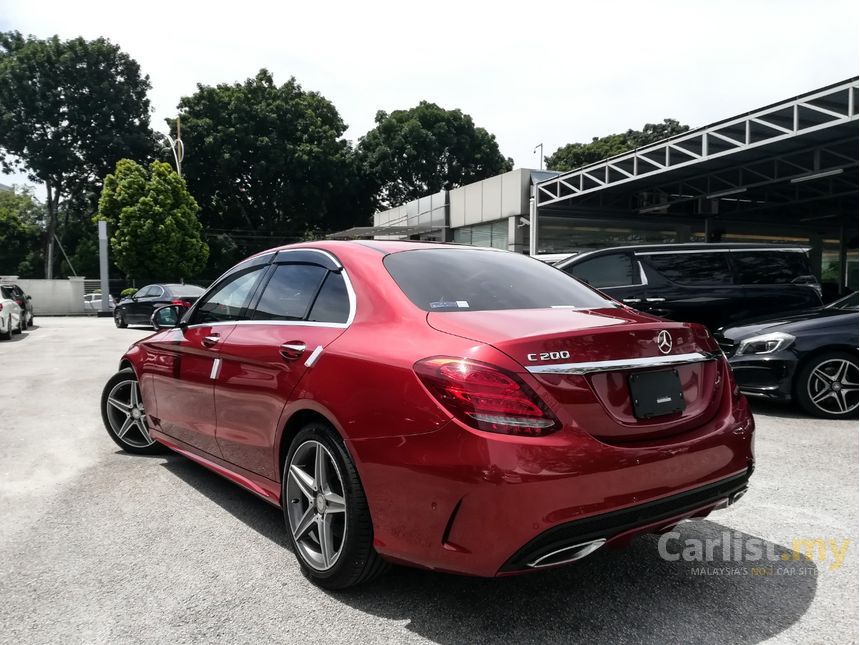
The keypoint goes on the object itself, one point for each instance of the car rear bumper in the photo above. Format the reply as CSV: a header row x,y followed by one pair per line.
x,y
480,504
765,375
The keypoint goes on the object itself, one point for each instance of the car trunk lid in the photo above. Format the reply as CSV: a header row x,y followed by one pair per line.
x,y
584,361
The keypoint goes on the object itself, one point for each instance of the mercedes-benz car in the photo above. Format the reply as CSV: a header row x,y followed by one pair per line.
x,y
805,356
137,309
460,409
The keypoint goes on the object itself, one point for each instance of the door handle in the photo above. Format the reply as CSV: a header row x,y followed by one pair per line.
x,y
293,350
631,300
655,300
211,339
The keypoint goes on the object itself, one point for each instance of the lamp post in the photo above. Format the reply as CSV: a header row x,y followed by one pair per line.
x,y
539,146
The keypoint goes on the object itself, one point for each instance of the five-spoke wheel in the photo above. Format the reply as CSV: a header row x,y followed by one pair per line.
x,y
124,415
316,509
326,511
827,386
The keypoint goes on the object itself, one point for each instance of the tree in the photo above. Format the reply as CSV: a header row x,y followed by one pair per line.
x,y
155,233
576,155
416,152
20,231
267,162
69,110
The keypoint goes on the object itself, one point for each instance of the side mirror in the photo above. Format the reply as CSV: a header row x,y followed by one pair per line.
x,y
29,297
167,317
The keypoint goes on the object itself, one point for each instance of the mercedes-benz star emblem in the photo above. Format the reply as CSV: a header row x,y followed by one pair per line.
x,y
664,342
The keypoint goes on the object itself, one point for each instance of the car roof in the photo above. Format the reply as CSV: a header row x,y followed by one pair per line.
x,y
644,249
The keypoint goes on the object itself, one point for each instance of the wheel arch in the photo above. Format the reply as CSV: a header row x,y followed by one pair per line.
x,y
298,416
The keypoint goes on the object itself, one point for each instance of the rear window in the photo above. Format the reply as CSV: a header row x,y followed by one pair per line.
x,y
770,267
187,290
612,270
693,268
472,280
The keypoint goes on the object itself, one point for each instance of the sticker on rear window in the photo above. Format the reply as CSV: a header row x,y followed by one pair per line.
x,y
448,304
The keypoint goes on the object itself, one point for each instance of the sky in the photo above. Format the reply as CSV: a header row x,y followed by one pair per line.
x,y
528,72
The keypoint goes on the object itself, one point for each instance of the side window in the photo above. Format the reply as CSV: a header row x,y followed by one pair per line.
x,y
613,270
290,292
693,268
228,299
143,292
769,267
332,303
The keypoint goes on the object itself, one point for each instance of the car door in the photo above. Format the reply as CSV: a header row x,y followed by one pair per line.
x,y
618,274
186,360
136,307
689,286
304,305
768,280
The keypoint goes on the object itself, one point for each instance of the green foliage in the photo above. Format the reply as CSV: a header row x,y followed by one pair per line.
x,y
125,293
69,110
267,163
416,152
576,155
153,222
20,215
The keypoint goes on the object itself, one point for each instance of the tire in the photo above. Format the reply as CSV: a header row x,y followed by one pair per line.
x,y
126,427
826,386
355,560
7,335
21,325
119,320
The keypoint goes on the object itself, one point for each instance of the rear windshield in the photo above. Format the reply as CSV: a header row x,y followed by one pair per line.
x,y
473,280
189,290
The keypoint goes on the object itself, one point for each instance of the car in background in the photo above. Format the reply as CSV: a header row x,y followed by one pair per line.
x,y
712,284
24,301
11,315
137,309
93,302
460,409
805,356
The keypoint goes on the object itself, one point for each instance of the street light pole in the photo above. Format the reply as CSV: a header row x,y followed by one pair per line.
x,y
540,145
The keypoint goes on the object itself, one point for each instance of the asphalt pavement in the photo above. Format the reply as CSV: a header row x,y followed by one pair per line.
x,y
97,546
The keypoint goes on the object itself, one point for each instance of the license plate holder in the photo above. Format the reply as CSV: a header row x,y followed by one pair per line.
x,y
656,394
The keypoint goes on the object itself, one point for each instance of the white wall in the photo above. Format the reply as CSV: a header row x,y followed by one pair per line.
x,y
55,296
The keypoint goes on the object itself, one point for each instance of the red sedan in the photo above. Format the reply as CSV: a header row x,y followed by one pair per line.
x,y
460,409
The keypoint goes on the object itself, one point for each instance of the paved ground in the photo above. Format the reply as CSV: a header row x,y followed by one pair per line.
x,y
97,546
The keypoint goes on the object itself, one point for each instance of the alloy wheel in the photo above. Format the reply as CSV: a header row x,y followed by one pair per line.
x,y
832,386
126,414
316,508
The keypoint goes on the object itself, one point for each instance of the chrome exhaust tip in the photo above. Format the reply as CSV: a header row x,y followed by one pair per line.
x,y
731,499
567,554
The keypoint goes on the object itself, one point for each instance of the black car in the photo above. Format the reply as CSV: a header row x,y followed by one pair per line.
x,y
137,309
806,356
24,301
712,284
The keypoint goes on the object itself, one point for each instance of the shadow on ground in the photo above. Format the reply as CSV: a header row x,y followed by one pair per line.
x,y
629,595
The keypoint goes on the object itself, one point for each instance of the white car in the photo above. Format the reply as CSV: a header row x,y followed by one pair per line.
x,y
93,302
11,320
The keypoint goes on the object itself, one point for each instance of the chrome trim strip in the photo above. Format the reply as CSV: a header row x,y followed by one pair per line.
x,y
624,363
216,368
314,356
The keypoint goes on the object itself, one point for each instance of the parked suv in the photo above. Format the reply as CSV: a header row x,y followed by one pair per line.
x,y
712,284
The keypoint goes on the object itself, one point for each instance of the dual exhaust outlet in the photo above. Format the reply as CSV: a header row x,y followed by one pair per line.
x,y
574,552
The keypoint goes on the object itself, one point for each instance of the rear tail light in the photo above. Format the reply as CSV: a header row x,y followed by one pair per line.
x,y
181,303
486,397
20,302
